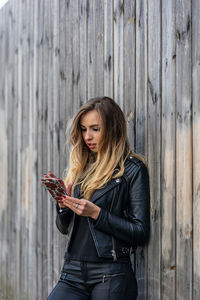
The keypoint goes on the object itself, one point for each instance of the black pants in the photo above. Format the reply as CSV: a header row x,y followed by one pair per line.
x,y
95,281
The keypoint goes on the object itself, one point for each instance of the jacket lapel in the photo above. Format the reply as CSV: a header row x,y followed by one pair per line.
x,y
110,185
77,191
100,192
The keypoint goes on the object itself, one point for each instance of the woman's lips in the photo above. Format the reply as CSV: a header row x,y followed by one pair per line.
x,y
91,145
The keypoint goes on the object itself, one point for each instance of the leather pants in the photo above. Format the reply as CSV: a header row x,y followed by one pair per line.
x,y
95,281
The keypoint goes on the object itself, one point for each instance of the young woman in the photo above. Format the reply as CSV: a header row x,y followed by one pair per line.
x,y
106,212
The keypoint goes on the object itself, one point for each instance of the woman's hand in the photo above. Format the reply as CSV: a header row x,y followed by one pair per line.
x,y
52,187
81,207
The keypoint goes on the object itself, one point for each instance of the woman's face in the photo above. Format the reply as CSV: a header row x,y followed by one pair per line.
x,y
91,128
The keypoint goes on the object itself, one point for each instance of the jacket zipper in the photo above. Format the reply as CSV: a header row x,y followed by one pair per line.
x,y
70,236
92,235
113,242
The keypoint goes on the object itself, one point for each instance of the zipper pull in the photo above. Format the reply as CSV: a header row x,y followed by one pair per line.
x,y
114,255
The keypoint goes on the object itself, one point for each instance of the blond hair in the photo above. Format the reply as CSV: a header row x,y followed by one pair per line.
x,y
93,170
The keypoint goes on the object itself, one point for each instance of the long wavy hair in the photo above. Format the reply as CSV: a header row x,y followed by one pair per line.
x,y
92,170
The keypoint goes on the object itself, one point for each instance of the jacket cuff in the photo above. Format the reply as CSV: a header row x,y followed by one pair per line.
x,y
100,218
60,210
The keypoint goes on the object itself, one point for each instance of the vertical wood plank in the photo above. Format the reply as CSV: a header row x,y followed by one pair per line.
x,y
19,140
83,50
76,55
49,106
33,37
168,264
9,133
5,217
129,67
3,152
91,49
141,121
99,37
108,48
196,145
64,94
12,205
30,172
184,152
41,99
118,52
154,148
16,153
69,60
25,163
141,77
54,244
69,78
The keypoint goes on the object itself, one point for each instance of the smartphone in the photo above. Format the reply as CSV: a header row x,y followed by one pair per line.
x,y
56,188
59,187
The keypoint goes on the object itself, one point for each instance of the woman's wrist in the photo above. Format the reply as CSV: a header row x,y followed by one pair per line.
x,y
96,212
61,209
61,206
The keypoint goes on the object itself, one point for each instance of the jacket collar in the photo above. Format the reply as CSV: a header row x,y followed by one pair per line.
x,y
110,185
100,192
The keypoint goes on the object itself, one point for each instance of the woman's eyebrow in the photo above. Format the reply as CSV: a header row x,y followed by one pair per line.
x,y
93,125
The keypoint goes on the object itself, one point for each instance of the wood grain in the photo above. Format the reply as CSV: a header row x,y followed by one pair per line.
x,y
168,156
183,151
196,145
54,55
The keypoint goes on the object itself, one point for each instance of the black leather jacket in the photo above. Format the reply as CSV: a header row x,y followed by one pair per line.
x,y
124,219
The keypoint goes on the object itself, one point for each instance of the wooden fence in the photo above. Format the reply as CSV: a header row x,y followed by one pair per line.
x,y
54,55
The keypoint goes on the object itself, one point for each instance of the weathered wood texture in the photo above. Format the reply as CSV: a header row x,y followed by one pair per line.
x,y
54,55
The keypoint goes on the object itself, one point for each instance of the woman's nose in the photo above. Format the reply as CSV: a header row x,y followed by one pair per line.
x,y
88,135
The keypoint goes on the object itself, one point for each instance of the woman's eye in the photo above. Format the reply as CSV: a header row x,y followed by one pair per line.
x,y
94,129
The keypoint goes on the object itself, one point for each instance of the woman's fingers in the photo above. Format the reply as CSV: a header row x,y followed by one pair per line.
x,y
59,198
51,174
81,207
56,191
48,176
70,202
51,177
69,188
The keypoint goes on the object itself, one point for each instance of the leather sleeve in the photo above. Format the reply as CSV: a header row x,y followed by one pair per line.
x,y
134,227
63,220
